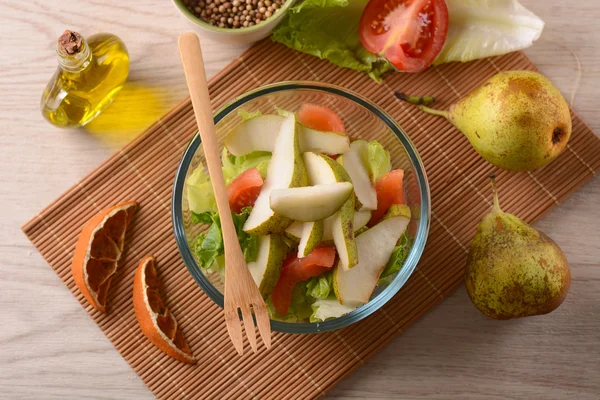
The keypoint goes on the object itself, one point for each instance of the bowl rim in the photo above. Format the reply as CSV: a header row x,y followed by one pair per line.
x,y
409,264
231,31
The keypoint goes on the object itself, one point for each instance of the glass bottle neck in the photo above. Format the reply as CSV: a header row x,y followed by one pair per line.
x,y
74,62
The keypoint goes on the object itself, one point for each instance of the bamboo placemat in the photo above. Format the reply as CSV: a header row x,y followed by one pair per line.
x,y
298,366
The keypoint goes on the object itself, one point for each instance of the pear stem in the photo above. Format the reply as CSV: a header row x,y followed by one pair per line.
x,y
433,111
496,208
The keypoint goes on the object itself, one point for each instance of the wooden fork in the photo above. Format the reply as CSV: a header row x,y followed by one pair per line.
x,y
241,292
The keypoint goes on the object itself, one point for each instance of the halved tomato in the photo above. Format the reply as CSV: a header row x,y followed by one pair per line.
x,y
295,270
408,33
243,190
320,118
390,190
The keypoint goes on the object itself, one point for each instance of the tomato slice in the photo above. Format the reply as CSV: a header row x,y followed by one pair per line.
x,y
295,270
390,190
243,190
408,33
320,118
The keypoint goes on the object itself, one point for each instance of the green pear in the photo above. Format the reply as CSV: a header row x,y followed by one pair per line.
x,y
516,120
513,270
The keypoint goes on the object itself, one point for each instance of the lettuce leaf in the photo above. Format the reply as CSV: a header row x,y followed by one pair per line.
x,y
329,308
300,306
328,29
378,160
248,243
304,296
397,258
233,166
320,287
199,189
485,28
202,218
199,192
208,246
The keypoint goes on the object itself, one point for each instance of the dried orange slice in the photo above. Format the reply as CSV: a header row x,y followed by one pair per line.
x,y
155,319
98,251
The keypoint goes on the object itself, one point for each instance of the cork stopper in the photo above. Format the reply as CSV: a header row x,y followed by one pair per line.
x,y
70,43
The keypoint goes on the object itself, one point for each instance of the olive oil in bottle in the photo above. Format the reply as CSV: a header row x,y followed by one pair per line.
x,y
90,74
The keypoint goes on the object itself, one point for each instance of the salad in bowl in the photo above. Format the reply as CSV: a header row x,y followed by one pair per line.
x,y
330,223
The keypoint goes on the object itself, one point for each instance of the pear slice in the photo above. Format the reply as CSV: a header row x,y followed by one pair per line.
x,y
361,218
342,230
254,134
286,170
323,142
353,163
310,203
375,246
265,270
322,170
312,232
397,210
259,134
294,231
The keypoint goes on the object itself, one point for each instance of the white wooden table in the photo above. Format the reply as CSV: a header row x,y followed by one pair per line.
x,y
50,348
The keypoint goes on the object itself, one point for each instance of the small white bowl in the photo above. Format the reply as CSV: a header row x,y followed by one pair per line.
x,y
234,36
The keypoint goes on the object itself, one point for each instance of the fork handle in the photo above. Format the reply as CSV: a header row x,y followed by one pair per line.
x,y
193,65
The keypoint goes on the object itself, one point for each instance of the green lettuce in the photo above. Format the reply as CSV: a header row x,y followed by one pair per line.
x,y
208,246
378,160
485,28
320,287
397,258
203,218
328,308
200,196
304,296
199,192
300,306
233,166
248,243
328,29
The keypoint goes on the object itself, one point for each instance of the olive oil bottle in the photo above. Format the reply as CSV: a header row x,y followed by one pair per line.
x,y
90,74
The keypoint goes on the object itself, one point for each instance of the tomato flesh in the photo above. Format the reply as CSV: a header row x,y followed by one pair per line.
x,y
320,118
244,189
408,33
295,270
390,190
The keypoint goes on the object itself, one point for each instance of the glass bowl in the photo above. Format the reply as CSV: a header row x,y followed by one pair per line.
x,y
362,119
